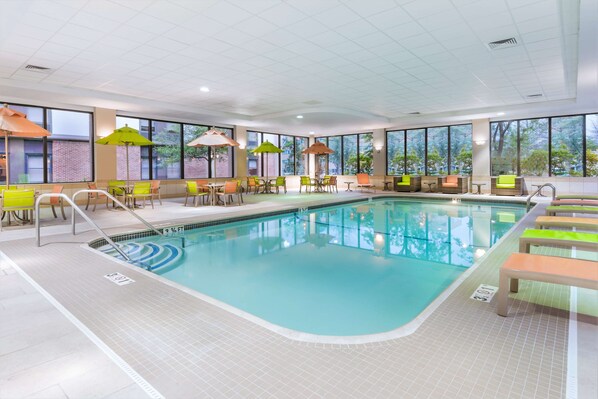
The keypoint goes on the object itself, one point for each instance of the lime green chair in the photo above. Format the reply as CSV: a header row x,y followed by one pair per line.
x,y
506,185
307,182
117,188
192,190
407,183
281,181
14,200
557,238
141,190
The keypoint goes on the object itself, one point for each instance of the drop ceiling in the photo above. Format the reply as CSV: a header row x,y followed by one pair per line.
x,y
344,65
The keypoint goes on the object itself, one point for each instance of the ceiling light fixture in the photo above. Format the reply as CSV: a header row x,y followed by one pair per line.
x,y
204,89
500,113
299,116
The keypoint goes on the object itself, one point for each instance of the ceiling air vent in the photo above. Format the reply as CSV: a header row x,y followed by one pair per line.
x,y
415,113
534,95
36,68
312,102
501,44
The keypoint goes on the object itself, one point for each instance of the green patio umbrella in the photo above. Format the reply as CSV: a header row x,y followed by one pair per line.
x,y
266,148
126,136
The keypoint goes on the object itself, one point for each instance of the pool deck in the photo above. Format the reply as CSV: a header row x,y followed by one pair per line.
x,y
178,345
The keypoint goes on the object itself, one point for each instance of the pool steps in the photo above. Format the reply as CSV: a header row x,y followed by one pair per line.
x,y
150,256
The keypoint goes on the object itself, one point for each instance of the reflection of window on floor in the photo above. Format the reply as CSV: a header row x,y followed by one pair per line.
x,y
34,169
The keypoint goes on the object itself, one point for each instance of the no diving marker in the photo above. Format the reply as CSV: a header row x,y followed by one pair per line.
x,y
119,279
484,293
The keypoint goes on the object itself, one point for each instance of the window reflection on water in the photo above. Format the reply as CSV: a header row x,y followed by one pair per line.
x,y
455,234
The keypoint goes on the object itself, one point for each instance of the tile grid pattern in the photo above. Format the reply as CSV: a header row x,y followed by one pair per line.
x,y
184,346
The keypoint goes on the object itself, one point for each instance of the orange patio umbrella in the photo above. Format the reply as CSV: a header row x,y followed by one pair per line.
x,y
318,148
15,123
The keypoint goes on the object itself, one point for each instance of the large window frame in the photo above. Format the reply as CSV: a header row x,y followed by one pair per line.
x,y
407,161
359,162
291,160
46,141
584,133
183,145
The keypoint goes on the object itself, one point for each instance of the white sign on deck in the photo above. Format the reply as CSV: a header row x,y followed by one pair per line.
x,y
119,279
484,293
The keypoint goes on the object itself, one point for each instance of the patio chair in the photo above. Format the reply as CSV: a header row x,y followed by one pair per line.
x,y
407,183
281,181
240,188
307,182
453,184
191,190
141,190
506,185
229,189
156,190
116,188
202,185
330,184
549,269
18,200
94,196
254,183
363,181
55,201
557,238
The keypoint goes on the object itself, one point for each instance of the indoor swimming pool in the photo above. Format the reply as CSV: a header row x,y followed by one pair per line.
x,y
360,268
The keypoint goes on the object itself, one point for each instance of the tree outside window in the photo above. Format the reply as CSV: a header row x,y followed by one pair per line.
x,y
592,145
567,146
503,147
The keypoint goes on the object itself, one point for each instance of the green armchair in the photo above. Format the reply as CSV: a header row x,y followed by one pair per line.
x,y
506,185
18,200
407,183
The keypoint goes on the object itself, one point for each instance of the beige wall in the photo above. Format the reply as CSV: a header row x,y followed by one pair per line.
x,y
105,155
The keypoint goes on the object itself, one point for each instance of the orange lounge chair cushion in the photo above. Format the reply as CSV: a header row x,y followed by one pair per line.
x,y
450,185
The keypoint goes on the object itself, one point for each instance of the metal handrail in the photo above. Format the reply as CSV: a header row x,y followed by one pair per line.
x,y
146,223
77,209
529,198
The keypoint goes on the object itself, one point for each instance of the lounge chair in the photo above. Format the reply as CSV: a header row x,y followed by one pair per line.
x,y
567,222
577,196
557,238
553,210
407,183
577,202
548,269
363,181
506,185
453,184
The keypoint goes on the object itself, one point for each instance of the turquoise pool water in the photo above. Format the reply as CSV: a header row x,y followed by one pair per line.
x,y
355,269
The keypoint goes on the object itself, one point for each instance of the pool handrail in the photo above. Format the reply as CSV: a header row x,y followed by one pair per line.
x,y
116,201
529,198
77,209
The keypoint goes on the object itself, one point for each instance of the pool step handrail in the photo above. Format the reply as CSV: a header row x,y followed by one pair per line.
x,y
116,201
529,198
75,209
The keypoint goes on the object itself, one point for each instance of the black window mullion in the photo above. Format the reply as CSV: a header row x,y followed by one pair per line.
x,y
182,151
44,149
518,168
404,152
448,166
549,147
583,146
150,133
426,152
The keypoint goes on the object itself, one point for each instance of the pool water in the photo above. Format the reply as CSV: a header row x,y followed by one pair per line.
x,y
353,269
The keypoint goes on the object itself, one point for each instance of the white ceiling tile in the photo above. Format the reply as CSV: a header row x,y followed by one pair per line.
x,y
312,7
367,8
337,16
256,26
226,13
306,28
150,24
282,15
420,9
113,10
233,37
81,31
405,30
356,29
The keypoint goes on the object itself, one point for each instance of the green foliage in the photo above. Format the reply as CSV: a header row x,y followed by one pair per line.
x,y
412,161
435,161
464,162
591,163
535,164
561,159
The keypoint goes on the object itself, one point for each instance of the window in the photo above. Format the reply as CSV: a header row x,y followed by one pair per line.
x,y
592,145
321,160
69,145
138,156
395,152
366,147
272,160
196,159
65,156
416,151
287,163
437,155
350,154
166,151
334,159
222,165
460,150
287,156
301,165
254,165
533,147
503,148
567,146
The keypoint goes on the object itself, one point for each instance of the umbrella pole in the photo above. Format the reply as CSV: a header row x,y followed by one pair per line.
x,y
6,154
214,159
127,156
267,180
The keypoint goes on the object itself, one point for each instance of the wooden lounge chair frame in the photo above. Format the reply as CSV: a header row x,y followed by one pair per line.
x,y
517,190
567,222
461,188
557,238
415,184
575,202
548,269
577,196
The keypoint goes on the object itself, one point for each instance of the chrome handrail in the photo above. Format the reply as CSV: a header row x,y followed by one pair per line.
x,y
142,220
77,209
529,198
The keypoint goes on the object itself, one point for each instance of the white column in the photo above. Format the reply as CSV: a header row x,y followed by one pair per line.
x,y
481,153
240,169
105,155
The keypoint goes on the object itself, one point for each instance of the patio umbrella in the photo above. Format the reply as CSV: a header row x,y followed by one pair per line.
x,y
213,138
318,148
267,148
15,123
126,136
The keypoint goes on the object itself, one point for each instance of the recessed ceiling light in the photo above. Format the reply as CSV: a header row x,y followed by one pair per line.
x,y
204,89
312,133
299,116
500,113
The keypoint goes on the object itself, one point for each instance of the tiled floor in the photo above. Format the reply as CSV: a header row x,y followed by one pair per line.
x,y
185,347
